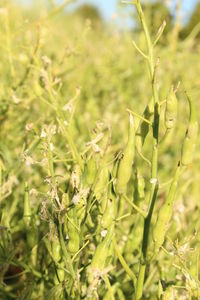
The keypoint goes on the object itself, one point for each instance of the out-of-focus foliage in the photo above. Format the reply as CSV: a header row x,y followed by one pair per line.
x,y
193,24
87,11
65,88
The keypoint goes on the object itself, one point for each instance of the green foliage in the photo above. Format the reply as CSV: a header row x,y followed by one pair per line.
x,y
79,219
193,23
88,11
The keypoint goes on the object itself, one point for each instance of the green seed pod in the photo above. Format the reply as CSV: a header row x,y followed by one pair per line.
x,y
65,200
171,110
72,231
90,171
90,222
102,183
115,167
61,272
103,202
56,249
108,215
144,127
32,235
100,255
165,214
60,275
125,165
160,290
29,222
139,193
134,237
160,229
189,143
73,243
80,210
27,207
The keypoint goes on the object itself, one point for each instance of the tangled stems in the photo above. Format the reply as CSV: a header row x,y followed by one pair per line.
x,y
154,164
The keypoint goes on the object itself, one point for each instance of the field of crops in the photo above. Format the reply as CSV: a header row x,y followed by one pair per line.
x,y
99,158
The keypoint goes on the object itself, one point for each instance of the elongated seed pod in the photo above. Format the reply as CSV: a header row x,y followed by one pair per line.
x,y
125,165
103,203
134,237
65,200
73,244
90,222
189,143
101,252
56,249
80,210
27,206
56,252
139,193
72,231
115,172
165,214
160,290
171,110
115,167
90,171
108,215
61,272
102,183
144,127
32,234
99,260
30,225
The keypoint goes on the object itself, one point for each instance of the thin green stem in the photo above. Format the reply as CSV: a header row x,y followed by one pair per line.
x,y
109,287
139,116
123,263
139,50
64,128
140,282
139,210
51,166
67,258
154,164
144,158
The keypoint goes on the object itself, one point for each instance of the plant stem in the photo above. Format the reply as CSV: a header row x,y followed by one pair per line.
x,y
123,263
140,282
109,287
51,166
138,209
154,164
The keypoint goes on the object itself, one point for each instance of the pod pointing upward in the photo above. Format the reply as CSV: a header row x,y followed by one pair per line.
x,y
126,162
189,143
